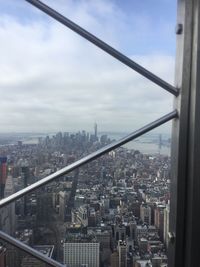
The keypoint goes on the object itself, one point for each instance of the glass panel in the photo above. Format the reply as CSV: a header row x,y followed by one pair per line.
x,y
61,99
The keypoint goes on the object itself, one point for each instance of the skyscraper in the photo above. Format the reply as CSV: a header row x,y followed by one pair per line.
x,y
25,174
159,219
3,175
95,130
166,225
145,213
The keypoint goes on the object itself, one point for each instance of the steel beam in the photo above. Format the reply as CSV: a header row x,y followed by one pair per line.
x,y
192,219
185,183
104,46
88,158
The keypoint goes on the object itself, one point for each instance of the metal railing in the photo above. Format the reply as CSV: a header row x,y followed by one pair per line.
x,y
128,62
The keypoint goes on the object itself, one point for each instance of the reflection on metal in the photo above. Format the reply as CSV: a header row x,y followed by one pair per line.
x,y
104,46
16,243
89,158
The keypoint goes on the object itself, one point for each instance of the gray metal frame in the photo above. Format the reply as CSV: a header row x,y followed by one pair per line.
x,y
185,191
185,147
179,150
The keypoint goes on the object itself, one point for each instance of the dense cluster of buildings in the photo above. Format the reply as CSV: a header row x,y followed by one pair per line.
x,y
112,212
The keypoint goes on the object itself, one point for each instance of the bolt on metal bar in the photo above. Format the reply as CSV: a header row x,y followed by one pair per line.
x,y
18,244
89,158
104,46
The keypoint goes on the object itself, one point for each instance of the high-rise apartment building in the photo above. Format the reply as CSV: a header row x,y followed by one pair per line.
x,y
77,254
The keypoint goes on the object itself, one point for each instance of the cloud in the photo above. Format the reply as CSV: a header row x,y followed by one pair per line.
x,y
51,79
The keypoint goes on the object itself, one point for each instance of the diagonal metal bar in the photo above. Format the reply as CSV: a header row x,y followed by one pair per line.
x,y
104,46
18,244
89,158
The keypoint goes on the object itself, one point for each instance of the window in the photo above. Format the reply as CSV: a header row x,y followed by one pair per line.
x,y
184,219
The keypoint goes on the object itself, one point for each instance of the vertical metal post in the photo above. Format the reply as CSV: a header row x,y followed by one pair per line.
x,y
193,185
185,184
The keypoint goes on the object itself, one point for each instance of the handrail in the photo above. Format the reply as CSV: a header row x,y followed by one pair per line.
x,y
33,252
89,158
104,46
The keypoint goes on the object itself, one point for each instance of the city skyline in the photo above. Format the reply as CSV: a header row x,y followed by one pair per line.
x,y
112,212
49,83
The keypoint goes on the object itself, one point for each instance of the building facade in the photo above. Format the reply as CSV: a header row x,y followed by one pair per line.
x,y
3,175
81,254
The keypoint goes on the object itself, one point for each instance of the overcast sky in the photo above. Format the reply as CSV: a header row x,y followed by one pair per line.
x,y
53,80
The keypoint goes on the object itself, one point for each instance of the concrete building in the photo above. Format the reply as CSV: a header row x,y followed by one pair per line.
x,y
114,259
80,215
142,263
25,176
29,261
78,254
145,213
159,219
9,190
166,225
3,175
2,256
122,254
7,214
44,207
62,205
119,232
